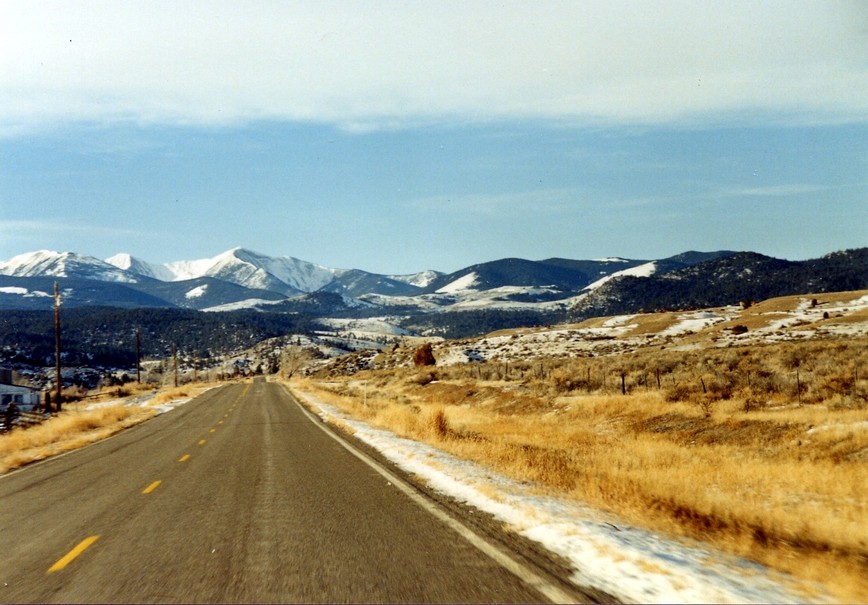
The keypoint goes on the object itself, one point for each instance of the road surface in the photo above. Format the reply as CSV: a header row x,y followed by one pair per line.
x,y
236,496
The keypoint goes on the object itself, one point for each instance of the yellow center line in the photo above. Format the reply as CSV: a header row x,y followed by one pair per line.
x,y
219,422
71,555
201,442
152,487
184,458
213,431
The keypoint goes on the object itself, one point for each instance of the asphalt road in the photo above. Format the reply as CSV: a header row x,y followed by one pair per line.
x,y
236,496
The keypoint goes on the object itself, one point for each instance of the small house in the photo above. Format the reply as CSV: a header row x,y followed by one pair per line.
x,y
25,398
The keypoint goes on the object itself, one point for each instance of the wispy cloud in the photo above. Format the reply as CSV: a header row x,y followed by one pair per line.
x,y
774,190
31,229
365,65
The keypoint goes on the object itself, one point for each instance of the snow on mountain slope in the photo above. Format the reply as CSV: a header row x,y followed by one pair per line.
x,y
197,292
646,270
459,285
252,270
44,263
189,269
368,327
420,280
141,267
23,292
612,259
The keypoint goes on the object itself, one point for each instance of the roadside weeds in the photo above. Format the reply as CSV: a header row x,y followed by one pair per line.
x,y
74,428
782,484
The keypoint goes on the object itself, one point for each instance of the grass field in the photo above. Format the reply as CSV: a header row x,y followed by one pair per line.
x,y
79,425
760,450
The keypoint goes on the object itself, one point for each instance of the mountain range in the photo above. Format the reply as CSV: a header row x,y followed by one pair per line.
x,y
243,279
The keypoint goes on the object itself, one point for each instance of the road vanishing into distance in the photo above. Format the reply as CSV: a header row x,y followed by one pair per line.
x,y
240,495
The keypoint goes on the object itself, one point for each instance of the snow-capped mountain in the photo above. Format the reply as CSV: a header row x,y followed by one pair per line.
x,y
422,279
47,263
240,278
141,267
286,275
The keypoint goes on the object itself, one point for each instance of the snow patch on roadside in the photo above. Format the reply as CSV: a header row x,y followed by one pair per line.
x,y
630,563
142,401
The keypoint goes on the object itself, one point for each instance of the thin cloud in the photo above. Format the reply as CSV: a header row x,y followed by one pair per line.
x,y
31,229
364,65
775,190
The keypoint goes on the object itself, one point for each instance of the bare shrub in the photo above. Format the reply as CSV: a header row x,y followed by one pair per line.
x,y
706,403
437,425
424,377
564,380
719,387
680,391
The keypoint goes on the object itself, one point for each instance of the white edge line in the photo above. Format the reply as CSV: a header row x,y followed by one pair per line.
x,y
525,574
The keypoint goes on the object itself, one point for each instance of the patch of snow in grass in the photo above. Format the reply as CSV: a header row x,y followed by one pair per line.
x,y
630,563
692,322
618,320
142,401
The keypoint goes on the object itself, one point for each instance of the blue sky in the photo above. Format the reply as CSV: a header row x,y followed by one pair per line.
x,y
405,136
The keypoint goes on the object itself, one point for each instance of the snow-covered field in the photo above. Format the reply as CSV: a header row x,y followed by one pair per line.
x,y
632,564
371,326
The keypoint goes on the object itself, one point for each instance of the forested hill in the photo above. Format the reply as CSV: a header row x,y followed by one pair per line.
x,y
106,336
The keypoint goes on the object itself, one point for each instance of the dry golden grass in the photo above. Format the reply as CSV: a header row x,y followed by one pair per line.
x,y
67,431
78,395
652,323
181,392
73,429
731,458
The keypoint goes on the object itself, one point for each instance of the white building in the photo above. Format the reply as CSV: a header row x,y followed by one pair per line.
x,y
24,397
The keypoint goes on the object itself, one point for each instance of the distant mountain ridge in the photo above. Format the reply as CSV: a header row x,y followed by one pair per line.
x,y
555,287
730,279
44,263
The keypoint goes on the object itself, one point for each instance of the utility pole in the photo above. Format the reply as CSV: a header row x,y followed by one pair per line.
x,y
58,378
175,361
138,357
